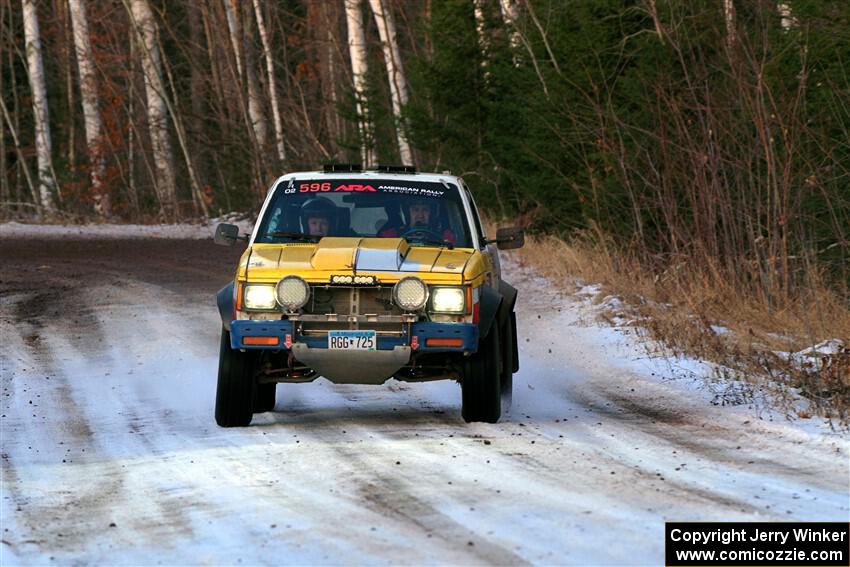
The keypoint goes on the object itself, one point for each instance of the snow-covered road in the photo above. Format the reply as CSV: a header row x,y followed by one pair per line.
x,y
110,453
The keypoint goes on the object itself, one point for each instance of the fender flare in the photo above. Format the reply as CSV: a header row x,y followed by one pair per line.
x,y
224,298
509,295
490,306
495,306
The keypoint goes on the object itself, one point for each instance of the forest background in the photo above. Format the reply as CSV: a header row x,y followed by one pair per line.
x,y
690,153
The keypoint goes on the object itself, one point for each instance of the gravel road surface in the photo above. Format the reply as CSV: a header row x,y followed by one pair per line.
x,y
110,453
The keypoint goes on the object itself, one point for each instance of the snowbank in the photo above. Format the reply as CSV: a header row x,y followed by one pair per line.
x,y
186,231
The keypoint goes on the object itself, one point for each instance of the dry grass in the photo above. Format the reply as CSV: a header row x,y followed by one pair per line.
x,y
689,309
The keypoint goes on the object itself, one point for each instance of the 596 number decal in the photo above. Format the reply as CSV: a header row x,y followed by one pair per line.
x,y
314,187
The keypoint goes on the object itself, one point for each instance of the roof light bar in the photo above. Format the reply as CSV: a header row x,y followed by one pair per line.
x,y
386,168
336,167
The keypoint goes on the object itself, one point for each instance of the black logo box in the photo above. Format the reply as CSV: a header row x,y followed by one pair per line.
x,y
780,543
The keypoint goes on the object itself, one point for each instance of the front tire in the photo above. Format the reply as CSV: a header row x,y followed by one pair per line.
x,y
481,385
234,395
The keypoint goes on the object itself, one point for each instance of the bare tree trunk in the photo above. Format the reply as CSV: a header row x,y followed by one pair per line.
x,y
510,14
91,110
197,194
395,72
256,120
359,68
46,178
13,117
255,101
542,31
329,55
481,32
653,11
216,72
278,124
236,88
21,160
197,89
5,193
787,19
332,105
131,134
71,150
166,183
729,18
231,11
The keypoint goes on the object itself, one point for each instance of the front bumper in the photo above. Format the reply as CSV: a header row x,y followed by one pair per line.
x,y
421,337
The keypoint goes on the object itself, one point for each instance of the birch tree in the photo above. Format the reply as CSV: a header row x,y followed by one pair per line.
x,y
331,55
510,15
273,99
91,107
359,68
395,73
729,18
43,145
146,31
246,71
481,32
787,19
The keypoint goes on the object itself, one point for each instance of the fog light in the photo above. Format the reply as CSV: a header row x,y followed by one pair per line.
x,y
410,293
292,293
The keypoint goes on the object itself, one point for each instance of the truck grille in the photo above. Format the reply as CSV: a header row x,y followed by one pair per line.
x,y
335,308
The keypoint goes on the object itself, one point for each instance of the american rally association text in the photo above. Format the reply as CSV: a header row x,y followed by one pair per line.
x,y
744,534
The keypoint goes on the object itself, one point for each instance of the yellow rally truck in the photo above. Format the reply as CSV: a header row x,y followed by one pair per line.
x,y
361,276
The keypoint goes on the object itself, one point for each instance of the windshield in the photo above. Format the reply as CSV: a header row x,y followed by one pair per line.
x,y
424,213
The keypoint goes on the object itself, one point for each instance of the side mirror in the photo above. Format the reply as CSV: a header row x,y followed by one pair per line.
x,y
226,234
510,238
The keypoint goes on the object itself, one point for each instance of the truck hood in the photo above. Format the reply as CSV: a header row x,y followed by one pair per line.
x,y
343,255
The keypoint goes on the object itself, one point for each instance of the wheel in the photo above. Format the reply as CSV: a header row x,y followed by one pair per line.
x,y
264,397
506,382
481,387
234,394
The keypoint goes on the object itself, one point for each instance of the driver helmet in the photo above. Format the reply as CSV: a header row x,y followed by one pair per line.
x,y
414,210
318,207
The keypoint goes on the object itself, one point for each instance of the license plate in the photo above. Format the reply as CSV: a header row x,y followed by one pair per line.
x,y
352,340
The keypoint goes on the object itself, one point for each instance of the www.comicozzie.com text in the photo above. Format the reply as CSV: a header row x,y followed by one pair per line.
x,y
743,534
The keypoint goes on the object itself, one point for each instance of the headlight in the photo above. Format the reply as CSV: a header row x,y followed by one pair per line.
x,y
448,300
410,293
292,293
259,297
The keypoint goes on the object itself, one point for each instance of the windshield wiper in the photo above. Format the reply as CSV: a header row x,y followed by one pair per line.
x,y
432,242
294,235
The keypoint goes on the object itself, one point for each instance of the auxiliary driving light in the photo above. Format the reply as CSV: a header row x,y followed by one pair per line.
x,y
410,293
292,293
355,280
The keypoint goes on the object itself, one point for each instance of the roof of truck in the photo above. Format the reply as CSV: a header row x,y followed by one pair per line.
x,y
371,174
